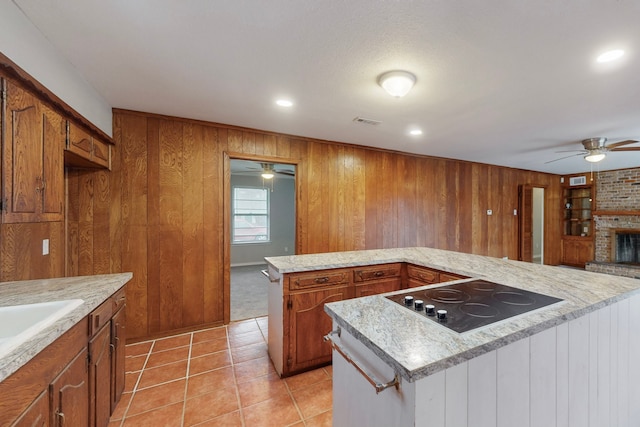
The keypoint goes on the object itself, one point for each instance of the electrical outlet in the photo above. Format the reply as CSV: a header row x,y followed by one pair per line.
x,y
489,212
45,247
515,212
286,249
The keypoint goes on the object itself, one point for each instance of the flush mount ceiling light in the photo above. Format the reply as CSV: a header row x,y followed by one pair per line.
x,y
595,156
610,55
397,83
415,132
284,103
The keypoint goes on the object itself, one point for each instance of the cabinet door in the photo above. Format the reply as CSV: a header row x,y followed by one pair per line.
x,y
33,165
577,252
69,394
117,356
37,414
378,287
53,135
100,377
308,323
80,142
22,155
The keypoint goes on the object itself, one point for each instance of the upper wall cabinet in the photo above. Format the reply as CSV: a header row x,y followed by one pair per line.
x,y
32,158
84,150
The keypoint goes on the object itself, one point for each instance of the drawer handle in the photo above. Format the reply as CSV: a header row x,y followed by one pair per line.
x,y
321,280
378,274
377,384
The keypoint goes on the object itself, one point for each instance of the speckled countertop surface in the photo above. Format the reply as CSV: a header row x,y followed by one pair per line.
x,y
416,347
94,290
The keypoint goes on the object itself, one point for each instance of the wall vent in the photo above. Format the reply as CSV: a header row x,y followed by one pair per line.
x,y
578,180
366,121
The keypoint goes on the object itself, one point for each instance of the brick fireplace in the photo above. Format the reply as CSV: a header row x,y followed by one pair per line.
x,y
617,212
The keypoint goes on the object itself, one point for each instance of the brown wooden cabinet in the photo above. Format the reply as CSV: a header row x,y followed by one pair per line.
x,y
37,414
69,394
577,246
75,381
84,150
118,341
100,377
420,276
377,279
33,169
308,323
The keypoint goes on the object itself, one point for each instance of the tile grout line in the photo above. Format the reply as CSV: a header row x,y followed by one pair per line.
x,y
186,380
235,379
135,386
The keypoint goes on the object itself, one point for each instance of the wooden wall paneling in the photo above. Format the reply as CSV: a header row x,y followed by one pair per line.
x,y
154,287
212,229
343,234
85,222
426,190
72,191
21,248
465,197
234,140
131,151
315,210
101,231
358,214
193,222
388,180
333,197
479,235
248,142
373,167
270,147
170,225
452,204
407,200
283,146
115,202
299,151
439,199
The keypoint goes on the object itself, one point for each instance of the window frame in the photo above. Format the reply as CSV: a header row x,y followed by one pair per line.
x,y
235,214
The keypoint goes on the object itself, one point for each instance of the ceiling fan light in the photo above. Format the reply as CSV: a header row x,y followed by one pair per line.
x,y
595,157
397,83
267,175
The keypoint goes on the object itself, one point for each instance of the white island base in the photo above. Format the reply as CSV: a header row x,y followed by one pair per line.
x,y
585,372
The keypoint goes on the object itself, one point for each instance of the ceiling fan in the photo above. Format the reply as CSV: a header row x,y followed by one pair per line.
x,y
268,170
596,149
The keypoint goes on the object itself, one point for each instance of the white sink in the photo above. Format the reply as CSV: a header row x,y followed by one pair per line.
x,y
18,323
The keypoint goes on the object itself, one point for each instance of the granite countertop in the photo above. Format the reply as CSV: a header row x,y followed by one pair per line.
x,y
416,347
93,290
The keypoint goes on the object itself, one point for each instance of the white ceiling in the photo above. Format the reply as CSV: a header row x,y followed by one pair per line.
x,y
505,82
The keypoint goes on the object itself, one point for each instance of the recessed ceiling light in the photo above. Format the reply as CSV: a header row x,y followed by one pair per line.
x,y
284,103
415,132
610,55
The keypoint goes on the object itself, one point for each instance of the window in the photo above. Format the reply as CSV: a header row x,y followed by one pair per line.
x,y
250,215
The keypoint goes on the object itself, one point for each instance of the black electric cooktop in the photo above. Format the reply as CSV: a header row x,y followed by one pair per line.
x,y
464,306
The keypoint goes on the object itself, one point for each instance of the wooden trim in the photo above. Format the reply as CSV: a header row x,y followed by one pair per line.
x,y
11,70
617,213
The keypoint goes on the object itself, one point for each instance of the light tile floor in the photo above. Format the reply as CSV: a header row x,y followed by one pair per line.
x,y
218,377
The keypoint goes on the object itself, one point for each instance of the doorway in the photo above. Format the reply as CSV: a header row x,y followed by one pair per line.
x,y
261,223
531,224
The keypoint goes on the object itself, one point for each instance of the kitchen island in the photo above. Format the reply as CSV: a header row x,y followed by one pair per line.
x,y
571,363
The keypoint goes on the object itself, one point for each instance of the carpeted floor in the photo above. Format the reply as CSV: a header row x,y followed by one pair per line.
x,y
248,292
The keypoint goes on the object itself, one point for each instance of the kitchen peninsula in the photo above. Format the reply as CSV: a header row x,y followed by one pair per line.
x,y
570,363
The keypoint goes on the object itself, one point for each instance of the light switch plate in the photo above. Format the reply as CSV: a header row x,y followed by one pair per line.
x,y
45,247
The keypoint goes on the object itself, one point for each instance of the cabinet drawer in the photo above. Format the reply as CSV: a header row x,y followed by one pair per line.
x,y
376,272
118,300
318,278
100,316
423,274
447,277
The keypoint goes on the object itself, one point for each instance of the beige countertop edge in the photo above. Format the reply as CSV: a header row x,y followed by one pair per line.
x,y
93,290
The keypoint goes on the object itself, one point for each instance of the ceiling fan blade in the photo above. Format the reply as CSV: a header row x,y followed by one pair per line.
x,y
572,151
626,149
286,172
562,158
621,143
